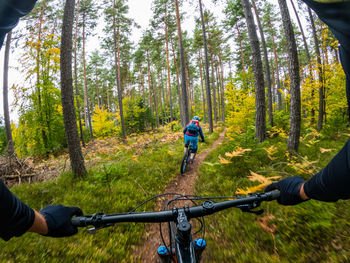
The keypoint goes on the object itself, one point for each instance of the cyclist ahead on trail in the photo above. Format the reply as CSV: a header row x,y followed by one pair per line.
x,y
191,132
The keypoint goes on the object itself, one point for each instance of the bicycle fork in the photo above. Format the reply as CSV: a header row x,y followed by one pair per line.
x,y
165,257
185,249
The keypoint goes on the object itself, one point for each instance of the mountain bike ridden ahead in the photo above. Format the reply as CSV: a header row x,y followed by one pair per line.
x,y
191,133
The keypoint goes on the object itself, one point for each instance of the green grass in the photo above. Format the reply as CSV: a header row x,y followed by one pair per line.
x,y
310,232
117,186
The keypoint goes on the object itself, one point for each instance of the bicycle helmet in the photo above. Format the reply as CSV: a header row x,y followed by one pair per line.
x,y
196,118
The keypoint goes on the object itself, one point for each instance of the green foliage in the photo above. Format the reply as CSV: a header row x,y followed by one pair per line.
x,y
118,185
309,232
3,139
136,115
104,122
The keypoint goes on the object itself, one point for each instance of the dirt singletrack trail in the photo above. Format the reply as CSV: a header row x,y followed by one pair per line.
x,y
182,184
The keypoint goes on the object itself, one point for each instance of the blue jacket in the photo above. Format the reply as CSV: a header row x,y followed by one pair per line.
x,y
200,132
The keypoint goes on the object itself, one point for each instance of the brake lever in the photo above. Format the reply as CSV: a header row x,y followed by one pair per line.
x,y
247,208
93,230
96,220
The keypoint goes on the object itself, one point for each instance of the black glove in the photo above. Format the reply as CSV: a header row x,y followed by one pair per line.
x,y
58,220
289,190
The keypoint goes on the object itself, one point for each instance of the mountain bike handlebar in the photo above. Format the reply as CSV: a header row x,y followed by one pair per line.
x,y
208,207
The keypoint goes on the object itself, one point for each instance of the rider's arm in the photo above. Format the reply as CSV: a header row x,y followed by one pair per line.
x,y
185,130
10,12
16,217
201,133
333,182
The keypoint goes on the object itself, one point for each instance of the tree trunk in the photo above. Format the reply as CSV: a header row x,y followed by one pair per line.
x,y
86,96
222,91
201,75
260,108
207,81
76,74
267,65
320,73
117,71
149,86
183,68
168,69
241,49
38,84
307,56
178,88
279,95
69,118
295,105
214,89
10,144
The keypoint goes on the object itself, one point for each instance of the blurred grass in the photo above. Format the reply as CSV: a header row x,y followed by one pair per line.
x,y
117,186
310,232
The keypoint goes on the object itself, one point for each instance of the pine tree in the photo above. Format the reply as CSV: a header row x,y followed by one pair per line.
x,y
70,123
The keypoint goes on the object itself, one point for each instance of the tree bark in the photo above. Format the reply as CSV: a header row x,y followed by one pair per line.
x,y
214,89
69,117
320,73
76,74
86,96
183,67
260,108
201,75
117,72
267,65
168,68
295,104
10,144
207,81
178,87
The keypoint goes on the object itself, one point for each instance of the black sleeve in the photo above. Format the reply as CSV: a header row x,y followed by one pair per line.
x,y
333,182
15,217
10,12
185,130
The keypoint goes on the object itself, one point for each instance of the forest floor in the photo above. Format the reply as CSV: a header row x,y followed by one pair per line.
x,y
182,184
15,171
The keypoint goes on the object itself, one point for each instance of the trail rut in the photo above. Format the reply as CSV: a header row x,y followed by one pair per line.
x,y
182,184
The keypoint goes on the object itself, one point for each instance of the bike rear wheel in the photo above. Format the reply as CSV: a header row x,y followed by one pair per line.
x,y
184,162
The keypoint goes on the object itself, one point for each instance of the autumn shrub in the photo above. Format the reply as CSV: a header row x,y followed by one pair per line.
x,y
310,232
104,122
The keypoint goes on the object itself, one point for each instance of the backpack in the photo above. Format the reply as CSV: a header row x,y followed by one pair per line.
x,y
192,128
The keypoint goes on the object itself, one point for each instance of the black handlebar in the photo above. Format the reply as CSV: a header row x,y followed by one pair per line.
x,y
207,208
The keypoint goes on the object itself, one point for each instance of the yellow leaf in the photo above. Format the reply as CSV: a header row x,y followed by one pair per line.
x,y
223,160
271,151
322,150
238,152
135,158
260,178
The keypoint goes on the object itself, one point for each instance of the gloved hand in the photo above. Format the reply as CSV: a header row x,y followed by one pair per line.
x,y
289,190
58,220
